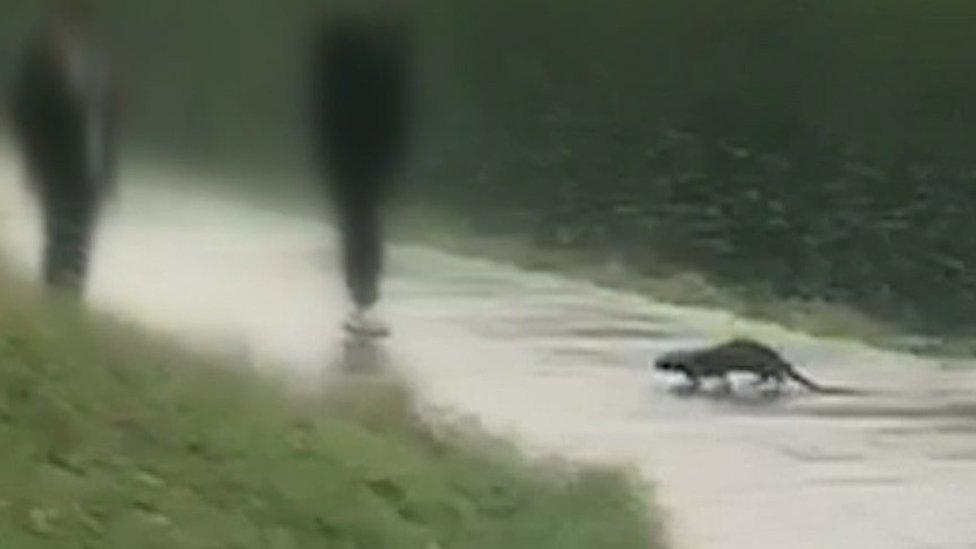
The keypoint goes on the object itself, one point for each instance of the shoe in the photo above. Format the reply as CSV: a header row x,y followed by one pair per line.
x,y
363,323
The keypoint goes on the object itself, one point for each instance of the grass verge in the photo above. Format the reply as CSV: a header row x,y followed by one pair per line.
x,y
112,438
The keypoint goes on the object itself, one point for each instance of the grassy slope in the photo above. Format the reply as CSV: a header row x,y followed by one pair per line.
x,y
114,439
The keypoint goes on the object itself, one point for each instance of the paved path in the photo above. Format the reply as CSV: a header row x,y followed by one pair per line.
x,y
562,366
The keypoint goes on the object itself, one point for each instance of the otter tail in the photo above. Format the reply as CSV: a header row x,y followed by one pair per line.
x,y
816,387
803,380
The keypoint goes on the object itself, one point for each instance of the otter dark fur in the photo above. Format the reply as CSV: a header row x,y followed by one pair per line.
x,y
738,355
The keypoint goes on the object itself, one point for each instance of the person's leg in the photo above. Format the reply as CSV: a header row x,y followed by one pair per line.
x,y
69,225
363,259
362,251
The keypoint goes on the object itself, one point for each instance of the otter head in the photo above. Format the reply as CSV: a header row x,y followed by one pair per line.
x,y
670,362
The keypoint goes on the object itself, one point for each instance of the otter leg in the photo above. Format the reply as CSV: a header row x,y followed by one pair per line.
x,y
762,379
694,382
726,386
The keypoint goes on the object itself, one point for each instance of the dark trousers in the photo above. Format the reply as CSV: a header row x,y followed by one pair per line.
x,y
362,242
69,225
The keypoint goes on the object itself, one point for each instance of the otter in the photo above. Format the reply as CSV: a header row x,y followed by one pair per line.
x,y
738,355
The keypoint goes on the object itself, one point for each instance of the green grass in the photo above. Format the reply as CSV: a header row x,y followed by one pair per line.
x,y
113,438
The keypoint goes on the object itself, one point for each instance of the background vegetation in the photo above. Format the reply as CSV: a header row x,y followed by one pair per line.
x,y
791,148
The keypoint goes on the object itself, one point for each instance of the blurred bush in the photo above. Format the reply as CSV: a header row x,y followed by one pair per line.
x,y
801,147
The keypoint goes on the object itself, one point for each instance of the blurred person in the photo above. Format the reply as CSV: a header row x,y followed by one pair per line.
x,y
64,116
361,78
